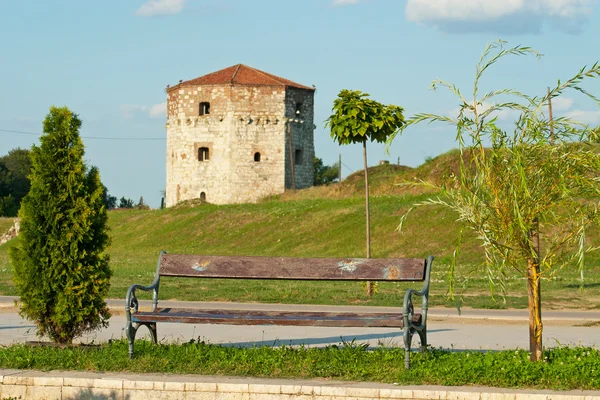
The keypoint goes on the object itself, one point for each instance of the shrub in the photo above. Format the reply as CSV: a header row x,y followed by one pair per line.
x,y
60,268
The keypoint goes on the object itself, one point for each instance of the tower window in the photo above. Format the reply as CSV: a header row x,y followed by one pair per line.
x,y
204,108
203,196
298,108
298,157
203,154
257,157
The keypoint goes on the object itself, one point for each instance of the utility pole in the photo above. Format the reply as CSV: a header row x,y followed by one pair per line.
x,y
340,169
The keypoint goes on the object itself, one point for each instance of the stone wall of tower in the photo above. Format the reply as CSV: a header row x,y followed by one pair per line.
x,y
299,112
244,121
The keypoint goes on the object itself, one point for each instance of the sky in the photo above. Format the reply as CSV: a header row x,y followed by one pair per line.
x,y
110,61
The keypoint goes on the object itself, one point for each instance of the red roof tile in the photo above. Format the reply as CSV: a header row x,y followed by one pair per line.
x,y
241,74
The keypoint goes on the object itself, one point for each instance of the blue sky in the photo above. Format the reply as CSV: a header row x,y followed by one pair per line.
x,y
110,61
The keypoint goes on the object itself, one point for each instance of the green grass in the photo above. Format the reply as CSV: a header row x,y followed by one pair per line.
x,y
562,368
320,222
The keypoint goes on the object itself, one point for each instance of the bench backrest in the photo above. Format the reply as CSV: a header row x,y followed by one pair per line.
x,y
373,269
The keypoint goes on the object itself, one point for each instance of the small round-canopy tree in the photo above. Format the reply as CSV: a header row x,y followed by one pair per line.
x,y
358,119
515,190
61,270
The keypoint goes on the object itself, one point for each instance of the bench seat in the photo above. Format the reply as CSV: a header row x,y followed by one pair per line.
x,y
304,318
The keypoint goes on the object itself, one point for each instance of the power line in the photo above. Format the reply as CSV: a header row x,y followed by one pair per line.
x,y
86,137
351,170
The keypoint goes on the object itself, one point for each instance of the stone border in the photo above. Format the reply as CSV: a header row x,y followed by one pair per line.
x,y
36,385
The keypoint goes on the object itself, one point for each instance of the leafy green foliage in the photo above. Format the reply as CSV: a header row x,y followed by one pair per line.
x,y
509,182
563,368
594,136
60,268
14,181
110,202
125,203
325,174
356,118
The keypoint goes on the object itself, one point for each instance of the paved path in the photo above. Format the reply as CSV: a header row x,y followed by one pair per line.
x,y
117,306
474,329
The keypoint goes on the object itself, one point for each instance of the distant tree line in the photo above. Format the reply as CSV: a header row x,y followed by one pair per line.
x,y
14,183
15,168
325,174
111,202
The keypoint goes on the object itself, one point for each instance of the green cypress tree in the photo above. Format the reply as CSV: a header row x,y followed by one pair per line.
x,y
60,268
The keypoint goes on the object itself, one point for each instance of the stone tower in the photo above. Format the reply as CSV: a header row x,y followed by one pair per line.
x,y
228,136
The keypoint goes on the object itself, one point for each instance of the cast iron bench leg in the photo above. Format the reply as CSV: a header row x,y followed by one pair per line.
x,y
423,337
130,330
408,333
152,328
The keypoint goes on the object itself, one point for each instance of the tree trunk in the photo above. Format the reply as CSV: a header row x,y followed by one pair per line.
x,y
369,289
535,310
535,296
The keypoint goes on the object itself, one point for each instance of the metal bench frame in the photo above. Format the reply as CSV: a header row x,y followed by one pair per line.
x,y
289,269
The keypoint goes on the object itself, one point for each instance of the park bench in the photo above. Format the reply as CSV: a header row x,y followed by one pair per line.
x,y
314,269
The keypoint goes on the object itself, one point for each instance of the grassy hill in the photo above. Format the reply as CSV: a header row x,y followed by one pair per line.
x,y
387,179
318,222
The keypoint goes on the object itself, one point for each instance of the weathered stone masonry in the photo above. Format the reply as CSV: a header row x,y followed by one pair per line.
x,y
228,140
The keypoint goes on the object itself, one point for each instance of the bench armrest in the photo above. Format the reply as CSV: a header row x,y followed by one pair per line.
x,y
408,309
131,300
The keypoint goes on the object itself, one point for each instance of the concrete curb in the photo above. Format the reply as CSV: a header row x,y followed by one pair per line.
x,y
36,385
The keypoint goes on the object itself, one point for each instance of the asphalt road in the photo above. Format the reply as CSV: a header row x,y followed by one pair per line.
x,y
473,329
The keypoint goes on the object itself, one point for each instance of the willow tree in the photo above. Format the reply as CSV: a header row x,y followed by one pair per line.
x,y
358,119
515,189
60,268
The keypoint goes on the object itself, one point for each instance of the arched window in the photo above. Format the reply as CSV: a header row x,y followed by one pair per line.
x,y
204,108
203,196
257,157
203,154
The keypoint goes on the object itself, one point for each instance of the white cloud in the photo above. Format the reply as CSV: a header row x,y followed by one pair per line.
x,y
507,16
160,7
345,2
158,110
585,117
130,110
462,10
562,103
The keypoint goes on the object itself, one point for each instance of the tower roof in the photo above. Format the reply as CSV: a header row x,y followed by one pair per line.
x,y
241,74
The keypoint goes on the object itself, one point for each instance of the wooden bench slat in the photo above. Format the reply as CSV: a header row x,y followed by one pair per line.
x,y
239,317
374,269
